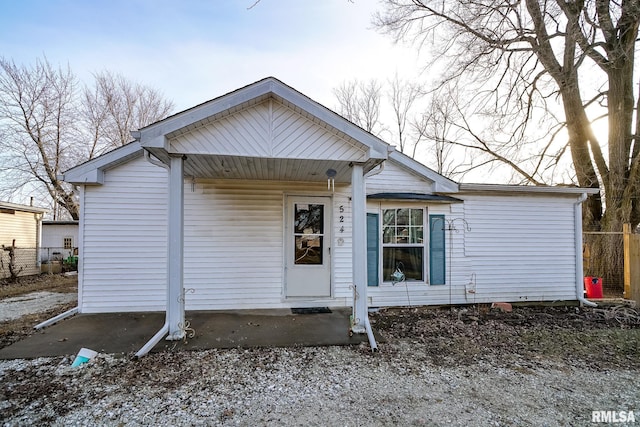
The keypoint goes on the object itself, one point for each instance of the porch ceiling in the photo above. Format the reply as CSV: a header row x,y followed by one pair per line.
x,y
262,168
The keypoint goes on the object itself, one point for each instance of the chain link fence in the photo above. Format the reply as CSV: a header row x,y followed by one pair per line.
x,y
16,262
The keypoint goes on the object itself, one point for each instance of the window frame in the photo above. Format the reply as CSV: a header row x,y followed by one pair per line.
x,y
64,241
424,245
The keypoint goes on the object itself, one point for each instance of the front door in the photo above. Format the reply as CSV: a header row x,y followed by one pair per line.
x,y
308,252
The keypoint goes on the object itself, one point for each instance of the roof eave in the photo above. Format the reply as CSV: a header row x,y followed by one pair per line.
x,y
23,208
92,171
528,189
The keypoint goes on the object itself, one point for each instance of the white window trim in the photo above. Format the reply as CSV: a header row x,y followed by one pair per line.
x,y
424,245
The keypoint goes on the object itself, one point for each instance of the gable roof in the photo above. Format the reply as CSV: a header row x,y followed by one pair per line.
x,y
156,135
155,139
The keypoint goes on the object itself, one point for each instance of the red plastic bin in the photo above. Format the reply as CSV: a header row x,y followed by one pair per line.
x,y
593,286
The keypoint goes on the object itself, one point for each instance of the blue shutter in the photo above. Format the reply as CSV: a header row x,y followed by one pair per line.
x,y
373,239
436,250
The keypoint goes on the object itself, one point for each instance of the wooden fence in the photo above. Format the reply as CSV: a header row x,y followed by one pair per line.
x,y
631,265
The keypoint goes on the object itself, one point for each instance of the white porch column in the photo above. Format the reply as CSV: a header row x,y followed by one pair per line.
x,y
175,296
359,248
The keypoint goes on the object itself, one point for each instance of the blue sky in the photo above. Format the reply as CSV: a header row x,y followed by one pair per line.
x,y
195,50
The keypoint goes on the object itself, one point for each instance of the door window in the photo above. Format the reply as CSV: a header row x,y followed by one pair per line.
x,y
308,233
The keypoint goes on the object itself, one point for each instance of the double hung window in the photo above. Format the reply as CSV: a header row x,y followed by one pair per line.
x,y
408,240
403,244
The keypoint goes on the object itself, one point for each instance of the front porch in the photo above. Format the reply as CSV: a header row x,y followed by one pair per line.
x,y
268,131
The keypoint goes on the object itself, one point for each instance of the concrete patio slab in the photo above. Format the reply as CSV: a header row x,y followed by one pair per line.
x,y
128,332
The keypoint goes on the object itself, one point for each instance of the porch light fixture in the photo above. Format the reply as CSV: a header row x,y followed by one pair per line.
x,y
331,182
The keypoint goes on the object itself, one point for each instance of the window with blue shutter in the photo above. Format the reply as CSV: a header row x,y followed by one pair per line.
x,y
373,241
403,243
436,249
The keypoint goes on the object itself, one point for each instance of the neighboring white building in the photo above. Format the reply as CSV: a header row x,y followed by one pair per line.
x,y
59,240
20,226
262,198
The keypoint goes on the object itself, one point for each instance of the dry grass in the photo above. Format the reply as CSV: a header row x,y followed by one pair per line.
x,y
43,282
18,329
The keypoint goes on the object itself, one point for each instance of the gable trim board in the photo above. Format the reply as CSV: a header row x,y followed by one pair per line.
x,y
232,201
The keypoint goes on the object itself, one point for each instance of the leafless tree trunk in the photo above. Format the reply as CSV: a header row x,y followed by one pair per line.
x,y
14,270
36,112
48,125
523,54
520,58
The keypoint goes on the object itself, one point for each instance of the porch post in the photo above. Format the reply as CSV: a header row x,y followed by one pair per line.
x,y
359,248
175,296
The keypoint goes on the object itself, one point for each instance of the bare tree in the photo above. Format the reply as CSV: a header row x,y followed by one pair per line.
x,y
435,128
359,102
403,96
527,61
415,134
527,54
36,112
115,106
48,124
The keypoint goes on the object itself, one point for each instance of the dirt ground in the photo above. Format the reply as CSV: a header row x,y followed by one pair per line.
x,y
535,365
606,336
598,338
15,330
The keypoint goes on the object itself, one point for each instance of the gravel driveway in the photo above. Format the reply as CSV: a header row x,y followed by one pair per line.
x,y
461,367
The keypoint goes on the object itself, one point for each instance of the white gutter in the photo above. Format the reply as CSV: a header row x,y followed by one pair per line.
x,y
56,319
577,210
154,340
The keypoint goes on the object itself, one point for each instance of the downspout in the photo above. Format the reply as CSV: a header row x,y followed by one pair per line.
x,y
153,161
154,340
165,328
56,319
367,323
374,172
38,217
372,339
577,211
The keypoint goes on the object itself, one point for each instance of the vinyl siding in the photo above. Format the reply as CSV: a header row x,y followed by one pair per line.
x,y
20,226
53,235
234,238
516,249
23,228
522,248
394,178
268,130
123,253
234,244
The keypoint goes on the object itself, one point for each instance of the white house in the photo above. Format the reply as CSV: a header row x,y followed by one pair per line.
x,y
263,198
20,237
58,238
